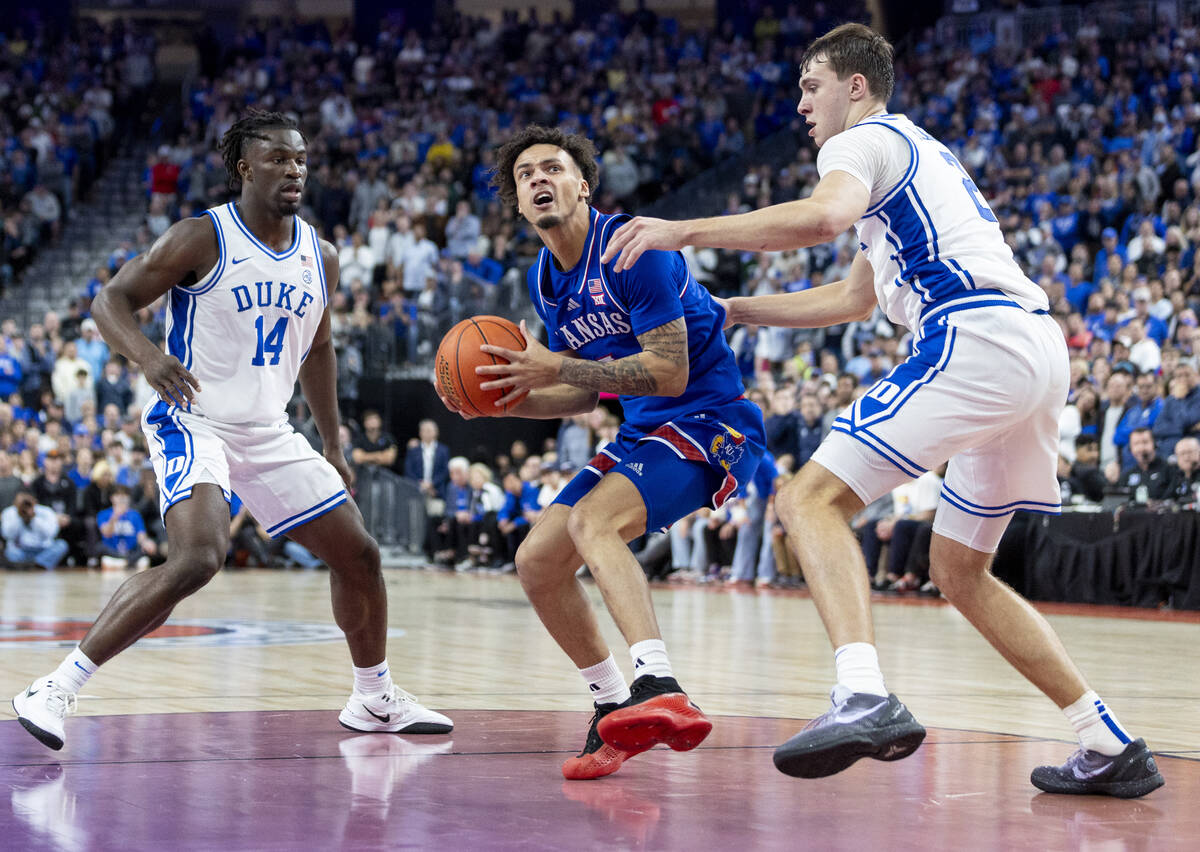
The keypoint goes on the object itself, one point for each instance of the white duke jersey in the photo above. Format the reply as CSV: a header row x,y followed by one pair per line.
x,y
928,232
245,328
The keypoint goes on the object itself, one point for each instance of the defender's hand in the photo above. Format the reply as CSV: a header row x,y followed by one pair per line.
x,y
642,234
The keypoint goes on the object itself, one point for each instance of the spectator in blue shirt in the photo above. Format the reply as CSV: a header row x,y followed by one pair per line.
x,y
1141,412
123,532
1108,246
91,348
10,372
511,520
1180,414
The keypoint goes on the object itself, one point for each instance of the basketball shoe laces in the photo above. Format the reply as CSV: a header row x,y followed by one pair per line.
x,y
593,743
398,694
59,701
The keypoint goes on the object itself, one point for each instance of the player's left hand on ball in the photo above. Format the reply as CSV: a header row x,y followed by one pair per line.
x,y
641,234
533,367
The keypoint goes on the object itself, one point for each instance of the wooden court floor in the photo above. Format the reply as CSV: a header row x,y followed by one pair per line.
x,y
220,731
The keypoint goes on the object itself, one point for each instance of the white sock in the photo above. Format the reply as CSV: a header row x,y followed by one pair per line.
x,y
650,658
73,672
858,668
373,680
1096,726
605,682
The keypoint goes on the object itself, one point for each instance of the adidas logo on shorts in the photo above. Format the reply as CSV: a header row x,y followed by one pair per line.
x,y
636,467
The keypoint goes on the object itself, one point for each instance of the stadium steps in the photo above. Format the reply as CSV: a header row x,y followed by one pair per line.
x,y
95,228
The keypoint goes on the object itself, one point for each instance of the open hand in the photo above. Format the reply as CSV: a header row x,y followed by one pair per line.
x,y
642,234
533,367
171,380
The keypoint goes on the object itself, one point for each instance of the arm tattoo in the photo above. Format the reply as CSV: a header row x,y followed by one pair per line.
x,y
630,375
668,341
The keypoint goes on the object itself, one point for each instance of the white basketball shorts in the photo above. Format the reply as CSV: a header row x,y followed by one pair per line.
x,y
982,390
282,480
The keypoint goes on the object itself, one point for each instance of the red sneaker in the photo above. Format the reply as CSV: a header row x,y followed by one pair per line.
x,y
657,711
597,758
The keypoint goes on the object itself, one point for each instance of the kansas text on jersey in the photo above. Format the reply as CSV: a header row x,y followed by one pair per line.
x,y
599,315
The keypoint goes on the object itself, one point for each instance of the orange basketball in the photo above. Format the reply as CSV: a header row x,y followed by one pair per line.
x,y
458,355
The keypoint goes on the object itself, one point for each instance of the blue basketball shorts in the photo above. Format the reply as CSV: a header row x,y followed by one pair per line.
x,y
686,464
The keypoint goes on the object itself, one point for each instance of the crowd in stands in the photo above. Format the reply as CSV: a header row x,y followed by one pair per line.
x,y
1085,149
65,101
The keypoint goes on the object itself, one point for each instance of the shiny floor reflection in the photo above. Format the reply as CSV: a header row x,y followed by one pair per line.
x,y
295,780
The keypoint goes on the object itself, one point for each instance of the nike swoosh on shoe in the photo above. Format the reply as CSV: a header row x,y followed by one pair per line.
x,y
385,718
844,718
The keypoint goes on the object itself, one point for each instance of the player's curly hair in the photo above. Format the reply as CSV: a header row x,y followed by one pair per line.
x,y
856,49
580,148
251,126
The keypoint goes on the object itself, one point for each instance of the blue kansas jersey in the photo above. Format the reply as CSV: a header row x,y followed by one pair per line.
x,y
599,315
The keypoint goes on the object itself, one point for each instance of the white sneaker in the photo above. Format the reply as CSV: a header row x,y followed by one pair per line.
x,y
41,710
396,711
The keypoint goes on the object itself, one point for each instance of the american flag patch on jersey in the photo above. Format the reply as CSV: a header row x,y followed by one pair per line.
x,y
306,260
595,285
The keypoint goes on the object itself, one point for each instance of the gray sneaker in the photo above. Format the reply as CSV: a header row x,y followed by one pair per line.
x,y
858,725
1127,775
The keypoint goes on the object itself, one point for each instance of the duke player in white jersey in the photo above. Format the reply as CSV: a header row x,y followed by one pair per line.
x,y
247,288
982,389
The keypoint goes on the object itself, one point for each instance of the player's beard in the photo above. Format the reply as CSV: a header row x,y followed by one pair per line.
x,y
550,220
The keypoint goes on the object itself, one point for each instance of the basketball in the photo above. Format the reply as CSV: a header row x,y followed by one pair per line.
x,y
458,355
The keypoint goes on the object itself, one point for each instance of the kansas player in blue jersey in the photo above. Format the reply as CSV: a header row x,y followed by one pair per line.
x,y
247,287
654,336
983,389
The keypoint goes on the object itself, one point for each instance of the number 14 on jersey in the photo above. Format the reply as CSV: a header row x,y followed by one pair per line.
x,y
271,343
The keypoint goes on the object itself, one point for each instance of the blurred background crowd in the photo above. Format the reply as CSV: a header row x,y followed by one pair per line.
x,y
1084,144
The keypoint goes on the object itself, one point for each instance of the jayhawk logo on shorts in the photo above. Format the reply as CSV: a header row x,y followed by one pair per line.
x,y
727,449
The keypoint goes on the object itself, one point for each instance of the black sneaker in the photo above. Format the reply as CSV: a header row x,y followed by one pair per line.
x,y
1127,775
858,725
658,711
597,758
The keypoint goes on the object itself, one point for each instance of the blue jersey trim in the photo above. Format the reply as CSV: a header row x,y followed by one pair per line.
x,y
199,289
181,310
309,514
237,220
974,299
175,440
183,495
963,499
1030,506
885,451
603,275
890,409
914,157
320,262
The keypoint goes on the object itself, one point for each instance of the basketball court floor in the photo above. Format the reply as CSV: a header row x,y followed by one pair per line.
x,y
220,731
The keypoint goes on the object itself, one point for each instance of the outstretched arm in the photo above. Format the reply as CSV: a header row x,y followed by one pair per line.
x,y
838,201
852,298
